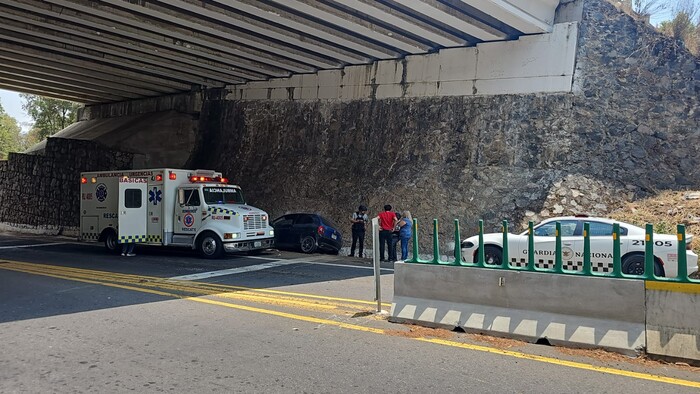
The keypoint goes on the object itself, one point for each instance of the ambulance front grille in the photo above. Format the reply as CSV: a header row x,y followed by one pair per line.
x,y
254,222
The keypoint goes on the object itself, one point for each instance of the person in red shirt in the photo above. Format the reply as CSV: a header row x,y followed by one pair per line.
x,y
387,222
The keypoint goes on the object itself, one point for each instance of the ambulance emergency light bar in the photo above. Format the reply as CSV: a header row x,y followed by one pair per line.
x,y
173,176
218,179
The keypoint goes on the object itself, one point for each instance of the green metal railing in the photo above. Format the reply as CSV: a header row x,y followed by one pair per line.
x,y
558,266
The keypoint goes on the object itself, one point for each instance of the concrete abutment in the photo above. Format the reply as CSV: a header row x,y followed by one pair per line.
x,y
622,124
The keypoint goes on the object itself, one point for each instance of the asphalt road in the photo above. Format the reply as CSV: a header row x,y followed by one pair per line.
x,y
74,319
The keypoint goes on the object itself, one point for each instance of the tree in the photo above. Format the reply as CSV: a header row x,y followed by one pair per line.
x,y
10,138
642,8
682,26
50,115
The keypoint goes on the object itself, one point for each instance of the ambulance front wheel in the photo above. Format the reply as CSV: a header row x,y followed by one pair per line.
x,y
111,242
210,245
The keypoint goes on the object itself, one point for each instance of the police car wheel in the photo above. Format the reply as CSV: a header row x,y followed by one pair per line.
x,y
493,255
308,244
634,265
210,246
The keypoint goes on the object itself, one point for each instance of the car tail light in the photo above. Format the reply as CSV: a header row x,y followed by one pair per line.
x,y
320,230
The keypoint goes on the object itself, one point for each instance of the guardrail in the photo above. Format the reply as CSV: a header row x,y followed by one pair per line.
x,y
587,270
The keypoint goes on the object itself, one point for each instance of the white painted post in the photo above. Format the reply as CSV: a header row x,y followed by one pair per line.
x,y
377,268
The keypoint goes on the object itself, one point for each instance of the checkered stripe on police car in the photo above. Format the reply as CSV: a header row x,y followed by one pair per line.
x,y
90,236
544,264
602,267
132,239
548,264
221,210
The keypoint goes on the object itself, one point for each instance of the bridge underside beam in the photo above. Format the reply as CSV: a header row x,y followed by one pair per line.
x,y
155,47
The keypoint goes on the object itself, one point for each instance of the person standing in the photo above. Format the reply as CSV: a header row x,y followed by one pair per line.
x,y
387,221
405,233
359,226
128,249
394,238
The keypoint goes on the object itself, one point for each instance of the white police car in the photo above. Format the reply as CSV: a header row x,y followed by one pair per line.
x,y
632,245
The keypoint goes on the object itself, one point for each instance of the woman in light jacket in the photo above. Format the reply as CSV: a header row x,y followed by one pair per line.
x,y
405,232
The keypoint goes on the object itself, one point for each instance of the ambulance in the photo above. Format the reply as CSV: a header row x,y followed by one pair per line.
x,y
196,209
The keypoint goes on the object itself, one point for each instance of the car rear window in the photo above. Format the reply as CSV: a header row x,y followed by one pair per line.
x,y
328,222
305,219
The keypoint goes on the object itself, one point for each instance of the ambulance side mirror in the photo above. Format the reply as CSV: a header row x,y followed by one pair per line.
x,y
181,197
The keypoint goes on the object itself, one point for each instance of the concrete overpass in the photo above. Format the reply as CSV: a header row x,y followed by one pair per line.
x,y
114,50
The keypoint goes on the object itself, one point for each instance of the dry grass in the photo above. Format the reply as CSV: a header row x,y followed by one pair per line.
x,y
415,331
665,211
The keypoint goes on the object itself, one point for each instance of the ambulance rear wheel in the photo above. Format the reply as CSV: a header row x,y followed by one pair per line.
x,y
210,246
111,242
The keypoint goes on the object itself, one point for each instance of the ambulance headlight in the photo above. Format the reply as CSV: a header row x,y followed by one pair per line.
x,y
232,235
272,232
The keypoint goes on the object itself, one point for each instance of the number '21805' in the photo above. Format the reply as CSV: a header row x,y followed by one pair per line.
x,y
638,242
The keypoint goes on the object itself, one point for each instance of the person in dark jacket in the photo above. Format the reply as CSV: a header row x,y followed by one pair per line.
x,y
359,226
394,238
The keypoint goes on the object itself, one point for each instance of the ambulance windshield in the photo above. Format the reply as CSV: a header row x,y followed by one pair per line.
x,y
223,195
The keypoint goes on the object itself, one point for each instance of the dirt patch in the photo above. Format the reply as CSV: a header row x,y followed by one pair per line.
x,y
500,343
610,357
422,332
665,211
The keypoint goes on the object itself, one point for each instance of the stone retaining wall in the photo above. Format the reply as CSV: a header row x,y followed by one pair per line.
x,y
630,128
41,193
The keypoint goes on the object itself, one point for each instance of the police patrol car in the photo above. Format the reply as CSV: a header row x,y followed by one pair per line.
x,y
170,207
632,245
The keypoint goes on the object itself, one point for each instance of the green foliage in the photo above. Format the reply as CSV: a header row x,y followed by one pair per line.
x,y
684,26
10,137
50,115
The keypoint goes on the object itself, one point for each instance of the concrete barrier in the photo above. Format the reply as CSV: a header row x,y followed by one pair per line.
x,y
673,320
567,310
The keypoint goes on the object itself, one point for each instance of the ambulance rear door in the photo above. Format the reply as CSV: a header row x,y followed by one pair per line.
x,y
133,219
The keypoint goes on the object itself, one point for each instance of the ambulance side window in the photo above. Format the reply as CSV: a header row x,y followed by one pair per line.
x,y
192,197
132,198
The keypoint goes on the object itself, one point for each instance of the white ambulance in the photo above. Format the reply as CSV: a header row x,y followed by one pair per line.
x,y
170,207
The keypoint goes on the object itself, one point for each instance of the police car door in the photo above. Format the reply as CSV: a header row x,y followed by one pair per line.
x,y
132,210
545,243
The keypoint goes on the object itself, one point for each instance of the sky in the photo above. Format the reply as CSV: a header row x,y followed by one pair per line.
x,y
13,104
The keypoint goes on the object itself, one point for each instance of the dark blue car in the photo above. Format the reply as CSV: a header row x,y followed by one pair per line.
x,y
308,232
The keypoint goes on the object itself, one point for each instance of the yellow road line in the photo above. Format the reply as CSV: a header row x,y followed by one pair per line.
x,y
548,360
191,289
202,284
565,363
689,288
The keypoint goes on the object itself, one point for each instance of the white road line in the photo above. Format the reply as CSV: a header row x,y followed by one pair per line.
x,y
262,258
301,260
233,271
348,266
264,266
32,246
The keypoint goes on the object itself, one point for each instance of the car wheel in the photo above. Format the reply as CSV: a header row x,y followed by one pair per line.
x,y
634,265
493,255
111,242
210,245
308,244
